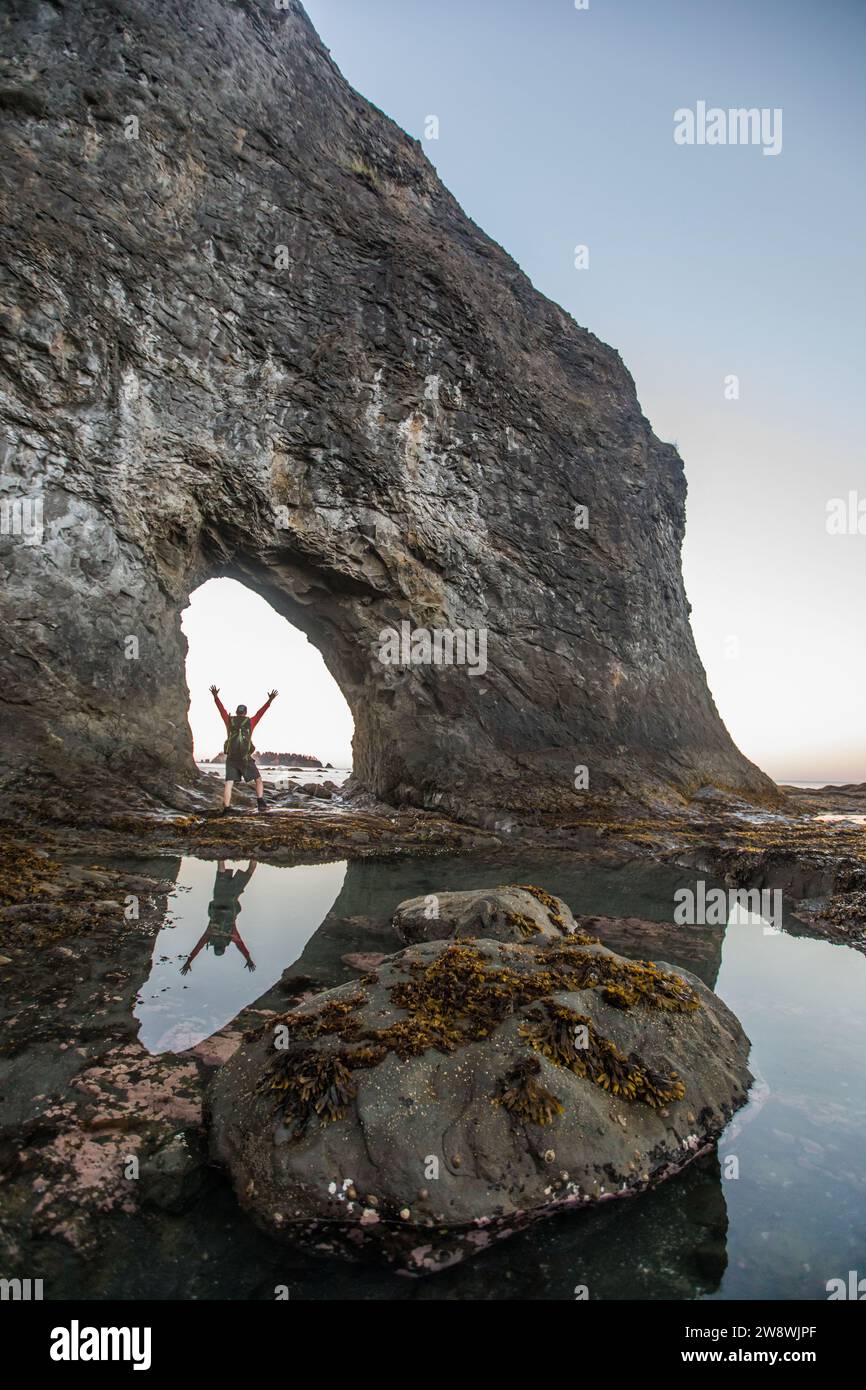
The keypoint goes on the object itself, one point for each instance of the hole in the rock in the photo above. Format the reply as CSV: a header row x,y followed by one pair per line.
x,y
238,642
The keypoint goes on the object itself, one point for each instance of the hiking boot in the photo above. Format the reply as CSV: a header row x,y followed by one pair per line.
x,y
226,811
261,804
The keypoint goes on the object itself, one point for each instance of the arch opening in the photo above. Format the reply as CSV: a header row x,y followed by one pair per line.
x,y
237,641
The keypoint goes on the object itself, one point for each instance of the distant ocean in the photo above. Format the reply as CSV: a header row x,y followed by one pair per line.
x,y
276,775
339,775
789,782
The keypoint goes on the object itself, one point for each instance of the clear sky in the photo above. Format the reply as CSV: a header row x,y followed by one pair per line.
x,y
556,129
238,643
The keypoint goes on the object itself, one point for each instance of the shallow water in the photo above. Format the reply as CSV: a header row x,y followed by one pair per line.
x,y
186,1000
274,775
856,816
781,1210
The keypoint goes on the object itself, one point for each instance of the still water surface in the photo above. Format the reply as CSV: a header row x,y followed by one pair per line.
x,y
781,1210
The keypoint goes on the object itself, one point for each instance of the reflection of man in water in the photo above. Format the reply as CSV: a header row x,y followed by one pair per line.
x,y
222,912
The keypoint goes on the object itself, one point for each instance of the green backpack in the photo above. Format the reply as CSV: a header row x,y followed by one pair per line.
x,y
239,744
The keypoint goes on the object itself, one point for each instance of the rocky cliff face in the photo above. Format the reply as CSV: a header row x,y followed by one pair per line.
x,y
247,332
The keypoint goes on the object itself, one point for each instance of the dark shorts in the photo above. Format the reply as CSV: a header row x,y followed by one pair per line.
x,y
237,772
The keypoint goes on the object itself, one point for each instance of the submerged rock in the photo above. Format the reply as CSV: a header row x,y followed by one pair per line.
x,y
173,1176
464,1089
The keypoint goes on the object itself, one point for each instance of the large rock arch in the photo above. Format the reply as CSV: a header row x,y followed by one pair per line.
x,y
247,331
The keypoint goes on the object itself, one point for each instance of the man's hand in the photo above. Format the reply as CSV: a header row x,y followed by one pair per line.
x,y
214,691
250,965
186,967
272,694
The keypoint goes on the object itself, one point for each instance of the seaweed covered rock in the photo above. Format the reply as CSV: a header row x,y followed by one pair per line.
x,y
509,913
467,1088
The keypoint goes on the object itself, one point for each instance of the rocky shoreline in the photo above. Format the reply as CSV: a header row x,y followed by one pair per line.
x,y
812,850
82,1097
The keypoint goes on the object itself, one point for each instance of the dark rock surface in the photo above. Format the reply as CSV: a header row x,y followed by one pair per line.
x,y
247,332
81,1100
80,1096
448,1098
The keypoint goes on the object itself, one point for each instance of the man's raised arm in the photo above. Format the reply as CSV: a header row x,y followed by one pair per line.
x,y
272,695
221,707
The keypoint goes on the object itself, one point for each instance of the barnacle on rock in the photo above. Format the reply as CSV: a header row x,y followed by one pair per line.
x,y
525,1097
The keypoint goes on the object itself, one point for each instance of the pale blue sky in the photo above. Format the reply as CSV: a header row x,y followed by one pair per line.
x,y
556,128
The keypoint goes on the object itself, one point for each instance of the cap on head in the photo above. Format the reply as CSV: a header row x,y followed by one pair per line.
x,y
241,709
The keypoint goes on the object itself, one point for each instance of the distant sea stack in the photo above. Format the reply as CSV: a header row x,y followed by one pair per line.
x,y
248,332
270,759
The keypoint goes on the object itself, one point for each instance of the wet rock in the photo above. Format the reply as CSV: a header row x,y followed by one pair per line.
x,y
363,960
839,917
508,913
174,1175
50,889
504,1082
298,984
699,950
